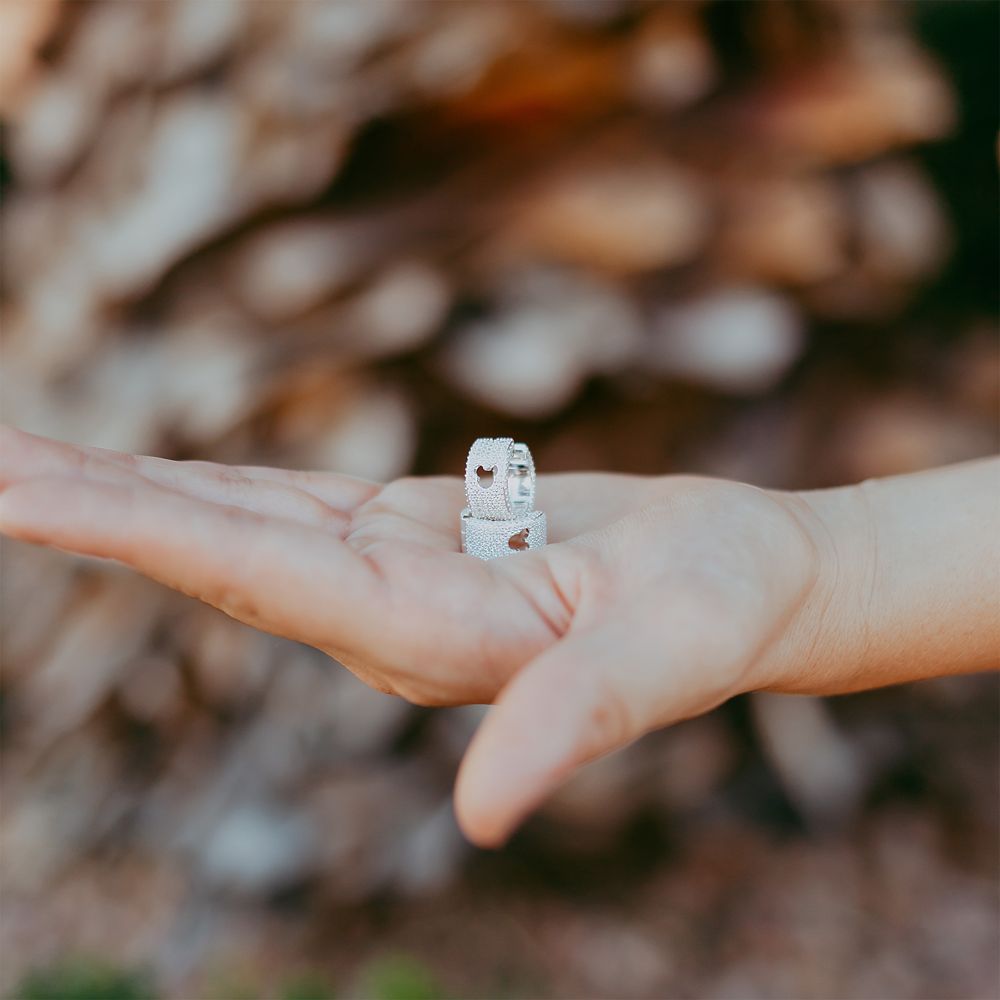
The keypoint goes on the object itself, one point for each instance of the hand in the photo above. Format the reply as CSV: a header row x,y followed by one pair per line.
x,y
657,598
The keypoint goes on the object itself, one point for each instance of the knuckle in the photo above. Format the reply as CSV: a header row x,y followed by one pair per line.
x,y
421,697
370,671
400,490
423,700
587,580
609,720
93,466
235,603
226,474
317,510
130,461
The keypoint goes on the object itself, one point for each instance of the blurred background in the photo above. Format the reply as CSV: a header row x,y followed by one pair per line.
x,y
754,240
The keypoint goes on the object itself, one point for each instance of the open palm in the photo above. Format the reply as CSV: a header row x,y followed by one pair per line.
x,y
652,602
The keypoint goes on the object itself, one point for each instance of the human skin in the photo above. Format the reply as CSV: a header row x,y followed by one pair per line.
x,y
657,598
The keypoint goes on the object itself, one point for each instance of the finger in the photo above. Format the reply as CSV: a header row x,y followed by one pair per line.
x,y
590,693
274,493
337,491
23,455
231,483
277,575
224,484
341,492
375,528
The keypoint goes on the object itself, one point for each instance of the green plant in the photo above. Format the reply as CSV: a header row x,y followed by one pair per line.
x,y
84,979
400,977
307,986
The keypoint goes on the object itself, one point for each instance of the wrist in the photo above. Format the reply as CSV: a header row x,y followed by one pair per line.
x,y
824,643
907,572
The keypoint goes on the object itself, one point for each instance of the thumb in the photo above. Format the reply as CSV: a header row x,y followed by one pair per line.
x,y
590,693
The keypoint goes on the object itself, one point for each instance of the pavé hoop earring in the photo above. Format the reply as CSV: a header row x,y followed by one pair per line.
x,y
500,518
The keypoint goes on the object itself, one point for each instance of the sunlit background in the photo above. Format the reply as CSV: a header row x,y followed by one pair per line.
x,y
755,240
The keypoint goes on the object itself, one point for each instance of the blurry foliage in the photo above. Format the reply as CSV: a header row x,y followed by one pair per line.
x,y
84,979
307,986
400,977
232,984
